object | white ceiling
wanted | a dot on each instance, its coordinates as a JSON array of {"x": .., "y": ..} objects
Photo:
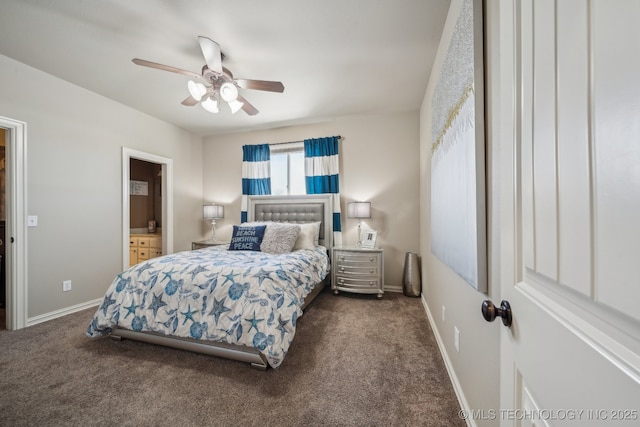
[{"x": 334, "y": 57}]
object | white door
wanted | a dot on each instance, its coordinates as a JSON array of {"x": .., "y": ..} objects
[{"x": 569, "y": 209}]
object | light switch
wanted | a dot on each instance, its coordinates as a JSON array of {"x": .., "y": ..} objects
[{"x": 32, "y": 221}]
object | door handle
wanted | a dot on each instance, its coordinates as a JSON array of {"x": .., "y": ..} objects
[{"x": 490, "y": 311}]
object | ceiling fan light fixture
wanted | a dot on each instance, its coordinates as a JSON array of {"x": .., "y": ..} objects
[
  {"x": 196, "y": 90},
  {"x": 235, "y": 106},
  {"x": 215, "y": 83},
  {"x": 229, "y": 92},
  {"x": 210, "y": 104}
]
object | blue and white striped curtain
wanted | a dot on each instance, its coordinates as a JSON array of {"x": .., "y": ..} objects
[
  {"x": 322, "y": 177},
  {"x": 256, "y": 174}
]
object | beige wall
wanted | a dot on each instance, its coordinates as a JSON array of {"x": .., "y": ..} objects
[
  {"x": 74, "y": 182},
  {"x": 379, "y": 163},
  {"x": 475, "y": 368}
]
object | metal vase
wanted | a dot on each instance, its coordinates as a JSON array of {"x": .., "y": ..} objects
[{"x": 412, "y": 285}]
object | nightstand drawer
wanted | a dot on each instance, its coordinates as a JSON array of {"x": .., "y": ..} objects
[
  {"x": 362, "y": 283},
  {"x": 357, "y": 258},
  {"x": 358, "y": 270}
]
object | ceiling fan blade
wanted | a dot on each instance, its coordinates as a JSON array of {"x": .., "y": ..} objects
[
  {"x": 247, "y": 107},
  {"x": 190, "y": 101},
  {"x": 260, "y": 85},
  {"x": 211, "y": 53},
  {"x": 163, "y": 67}
]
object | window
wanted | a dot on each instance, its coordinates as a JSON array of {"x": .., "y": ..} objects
[
  {"x": 287, "y": 170},
  {"x": 287, "y": 174}
]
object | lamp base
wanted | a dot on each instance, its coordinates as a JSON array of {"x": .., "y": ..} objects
[{"x": 213, "y": 230}]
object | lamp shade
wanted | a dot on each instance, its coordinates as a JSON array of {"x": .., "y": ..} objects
[
  {"x": 196, "y": 90},
  {"x": 229, "y": 92},
  {"x": 210, "y": 104},
  {"x": 212, "y": 211},
  {"x": 235, "y": 106},
  {"x": 359, "y": 210}
]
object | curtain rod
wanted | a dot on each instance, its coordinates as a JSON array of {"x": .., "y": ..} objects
[{"x": 294, "y": 142}]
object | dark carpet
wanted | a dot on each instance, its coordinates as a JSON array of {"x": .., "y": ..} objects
[{"x": 355, "y": 361}]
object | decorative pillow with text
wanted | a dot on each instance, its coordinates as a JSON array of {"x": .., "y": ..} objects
[{"x": 247, "y": 238}]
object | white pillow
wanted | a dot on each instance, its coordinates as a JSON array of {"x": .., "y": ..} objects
[{"x": 309, "y": 236}]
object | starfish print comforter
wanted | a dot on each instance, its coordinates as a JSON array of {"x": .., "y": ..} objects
[{"x": 236, "y": 297}]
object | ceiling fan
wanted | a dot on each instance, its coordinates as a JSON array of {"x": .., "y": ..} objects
[{"x": 216, "y": 83}]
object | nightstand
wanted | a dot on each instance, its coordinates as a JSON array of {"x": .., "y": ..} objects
[
  {"x": 206, "y": 243},
  {"x": 357, "y": 270}
]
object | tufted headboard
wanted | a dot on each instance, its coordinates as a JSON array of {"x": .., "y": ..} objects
[{"x": 297, "y": 209}]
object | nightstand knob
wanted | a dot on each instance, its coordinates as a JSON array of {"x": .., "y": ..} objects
[
  {"x": 371, "y": 270},
  {"x": 342, "y": 258},
  {"x": 371, "y": 283},
  {"x": 370, "y": 258},
  {"x": 341, "y": 269}
]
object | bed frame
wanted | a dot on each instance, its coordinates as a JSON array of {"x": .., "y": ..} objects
[{"x": 297, "y": 209}]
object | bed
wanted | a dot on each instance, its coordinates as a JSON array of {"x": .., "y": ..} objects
[{"x": 236, "y": 304}]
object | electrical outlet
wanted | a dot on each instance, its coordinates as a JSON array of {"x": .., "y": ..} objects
[
  {"x": 66, "y": 285},
  {"x": 456, "y": 338},
  {"x": 443, "y": 311}
]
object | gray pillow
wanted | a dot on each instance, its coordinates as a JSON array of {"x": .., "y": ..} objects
[{"x": 279, "y": 237}]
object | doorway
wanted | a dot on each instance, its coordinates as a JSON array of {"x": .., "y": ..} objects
[
  {"x": 14, "y": 133},
  {"x": 3, "y": 217},
  {"x": 145, "y": 211},
  {"x": 165, "y": 214}
]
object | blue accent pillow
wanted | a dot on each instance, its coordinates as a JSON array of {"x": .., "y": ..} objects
[{"x": 247, "y": 238}]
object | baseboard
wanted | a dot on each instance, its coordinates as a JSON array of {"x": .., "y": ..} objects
[
  {"x": 62, "y": 312},
  {"x": 447, "y": 363},
  {"x": 397, "y": 289}
]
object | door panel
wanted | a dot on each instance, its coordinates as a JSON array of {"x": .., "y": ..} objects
[
  {"x": 544, "y": 150},
  {"x": 568, "y": 364},
  {"x": 581, "y": 189},
  {"x": 574, "y": 345},
  {"x": 573, "y": 148},
  {"x": 616, "y": 114}
]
